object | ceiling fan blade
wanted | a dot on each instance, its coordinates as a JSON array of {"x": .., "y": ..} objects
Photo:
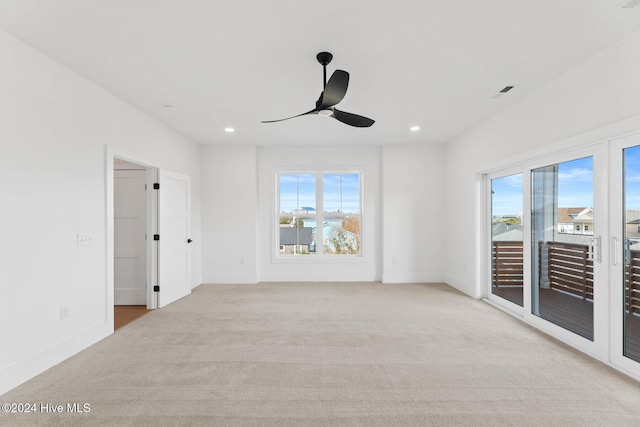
[
  {"x": 352, "y": 119},
  {"x": 292, "y": 117},
  {"x": 335, "y": 90}
]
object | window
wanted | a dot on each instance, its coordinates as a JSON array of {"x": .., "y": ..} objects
[{"x": 319, "y": 213}]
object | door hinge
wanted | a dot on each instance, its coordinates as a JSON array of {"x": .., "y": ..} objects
[
  {"x": 156, "y": 288},
  {"x": 156, "y": 185},
  {"x": 156, "y": 237}
]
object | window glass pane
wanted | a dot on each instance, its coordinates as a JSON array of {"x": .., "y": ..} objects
[
  {"x": 631, "y": 265},
  {"x": 342, "y": 236},
  {"x": 507, "y": 238},
  {"x": 297, "y": 217},
  {"x": 562, "y": 219},
  {"x": 341, "y": 193},
  {"x": 297, "y": 193}
]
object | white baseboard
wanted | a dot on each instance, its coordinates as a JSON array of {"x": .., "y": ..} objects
[
  {"x": 230, "y": 278},
  {"x": 22, "y": 371},
  {"x": 402, "y": 277}
]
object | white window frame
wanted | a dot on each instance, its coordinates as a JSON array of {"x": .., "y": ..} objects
[{"x": 320, "y": 215}]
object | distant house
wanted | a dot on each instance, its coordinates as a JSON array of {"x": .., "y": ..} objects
[
  {"x": 304, "y": 210},
  {"x": 505, "y": 232},
  {"x": 575, "y": 220},
  {"x": 296, "y": 240},
  {"x": 632, "y": 227}
]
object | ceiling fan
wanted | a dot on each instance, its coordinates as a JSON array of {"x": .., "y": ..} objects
[{"x": 334, "y": 91}]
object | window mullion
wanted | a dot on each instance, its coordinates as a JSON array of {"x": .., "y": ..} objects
[{"x": 319, "y": 216}]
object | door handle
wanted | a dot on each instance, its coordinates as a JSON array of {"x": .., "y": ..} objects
[
  {"x": 614, "y": 251},
  {"x": 594, "y": 249},
  {"x": 189, "y": 240}
]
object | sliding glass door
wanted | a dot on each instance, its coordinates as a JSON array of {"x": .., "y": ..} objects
[
  {"x": 546, "y": 221},
  {"x": 625, "y": 259},
  {"x": 563, "y": 245}
]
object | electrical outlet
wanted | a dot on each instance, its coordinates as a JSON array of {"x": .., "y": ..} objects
[
  {"x": 84, "y": 239},
  {"x": 64, "y": 312}
]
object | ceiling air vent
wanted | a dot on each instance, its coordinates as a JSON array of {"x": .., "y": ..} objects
[{"x": 505, "y": 90}]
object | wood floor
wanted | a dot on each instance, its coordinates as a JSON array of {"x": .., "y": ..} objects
[
  {"x": 575, "y": 315},
  {"x": 124, "y": 314}
]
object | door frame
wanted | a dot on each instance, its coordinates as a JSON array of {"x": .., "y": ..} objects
[
  {"x": 487, "y": 239},
  {"x": 599, "y": 346},
  {"x": 111, "y": 153}
]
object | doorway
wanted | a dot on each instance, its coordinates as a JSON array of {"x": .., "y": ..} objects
[
  {"x": 158, "y": 266},
  {"x": 132, "y": 255}
]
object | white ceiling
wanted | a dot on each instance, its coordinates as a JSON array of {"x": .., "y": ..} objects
[{"x": 436, "y": 64}]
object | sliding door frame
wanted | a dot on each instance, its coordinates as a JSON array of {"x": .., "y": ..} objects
[
  {"x": 600, "y": 344},
  {"x": 599, "y": 347},
  {"x": 486, "y": 253},
  {"x": 616, "y": 258}
]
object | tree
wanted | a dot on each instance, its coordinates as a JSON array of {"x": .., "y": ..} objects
[
  {"x": 346, "y": 239},
  {"x": 289, "y": 220}
]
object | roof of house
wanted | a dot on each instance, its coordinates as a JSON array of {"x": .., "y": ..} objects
[
  {"x": 569, "y": 214},
  {"x": 506, "y": 232},
  {"x": 632, "y": 216},
  {"x": 296, "y": 235}
]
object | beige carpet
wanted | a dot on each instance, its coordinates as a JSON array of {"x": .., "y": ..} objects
[{"x": 340, "y": 354}]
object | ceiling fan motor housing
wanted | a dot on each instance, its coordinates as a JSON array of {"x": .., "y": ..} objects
[{"x": 324, "y": 58}]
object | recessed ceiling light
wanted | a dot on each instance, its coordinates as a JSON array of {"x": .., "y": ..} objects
[
  {"x": 229, "y": 130},
  {"x": 170, "y": 107},
  {"x": 414, "y": 128}
]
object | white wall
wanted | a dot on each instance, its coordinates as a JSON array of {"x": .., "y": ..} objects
[
  {"x": 597, "y": 100},
  {"x": 53, "y": 129},
  {"x": 230, "y": 206},
  {"x": 413, "y": 213},
  {"x": 403, "y": 214}
]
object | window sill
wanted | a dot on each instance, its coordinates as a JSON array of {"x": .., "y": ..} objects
[{"x": 314, "y": 259}]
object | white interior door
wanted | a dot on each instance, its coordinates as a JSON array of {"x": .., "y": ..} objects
[
  {"x": 174, "y": 225},
  {"x": 130, "y": 226}
]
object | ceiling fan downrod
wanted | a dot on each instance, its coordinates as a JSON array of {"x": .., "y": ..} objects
[{"x": 324, "y": 58}]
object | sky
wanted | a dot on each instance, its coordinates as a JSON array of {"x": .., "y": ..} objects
[
  {"x": 632, "y": 177},
  {"x": 575, "y": 188},
  {"x": 341, "y": 192}
]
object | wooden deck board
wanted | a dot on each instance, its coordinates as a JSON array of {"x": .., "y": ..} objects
[{"x": 574, "y": 314}]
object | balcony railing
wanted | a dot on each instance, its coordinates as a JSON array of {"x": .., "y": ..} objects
[
  {"x": 569, "y": 301},
  {"x": 506, "y": 258},
  {"x": 632, "y": 283},
  {"x": 569, "y": 269}
]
